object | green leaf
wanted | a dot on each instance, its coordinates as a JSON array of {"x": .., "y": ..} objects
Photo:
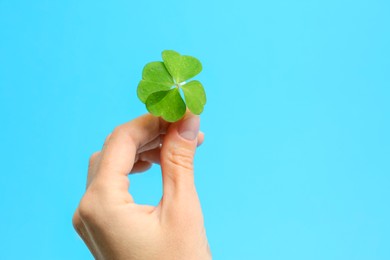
[
  {"x": 181, "y": 67},
  {"x": 159, "y": 88},
  {"x": 167, "y": 104},
  {"x": 145, "y": 88},
  {"x": 195, "y": 96},
  {"x": 155, "y": 77},
  {"x": 157, "y": 72}
]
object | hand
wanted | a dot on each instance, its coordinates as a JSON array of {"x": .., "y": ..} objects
[{"x": 108, "y": 220}]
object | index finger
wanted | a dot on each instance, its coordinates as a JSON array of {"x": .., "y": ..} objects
[{"x": 119, "y": 152}]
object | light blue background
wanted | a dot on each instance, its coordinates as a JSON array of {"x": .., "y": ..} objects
[{"x": 296, "y": 161}]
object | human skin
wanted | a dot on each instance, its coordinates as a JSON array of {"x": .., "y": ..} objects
[{"x": 113, "y": 226}]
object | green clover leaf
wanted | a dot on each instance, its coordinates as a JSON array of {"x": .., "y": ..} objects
[
  {"x": 181, "y": 67},
  {"x": 161, "y": 82}
]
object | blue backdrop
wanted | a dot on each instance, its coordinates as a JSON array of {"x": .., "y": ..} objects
[{"x": 296, "y": 160}]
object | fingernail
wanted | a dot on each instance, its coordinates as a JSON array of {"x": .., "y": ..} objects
[{"x": 189, "y": 128}]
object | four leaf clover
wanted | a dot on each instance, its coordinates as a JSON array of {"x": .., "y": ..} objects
[{"x": 162, "y": 83}]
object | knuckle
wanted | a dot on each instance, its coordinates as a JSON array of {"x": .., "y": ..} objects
[
  {"x": 122, "y": 133},
  {"x": 86, "y": 209},
  {"x": 181, "y": 157},
  {"x": 118, "y": 130},
  {"x": 107, "y": 138},
  {"x": 93, "y": 157}
]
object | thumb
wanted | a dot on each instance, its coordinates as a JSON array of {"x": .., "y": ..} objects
[{"x": 177, "y": 156}]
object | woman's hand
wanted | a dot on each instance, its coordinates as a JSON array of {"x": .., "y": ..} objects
[{"x": 108, "y": 220}]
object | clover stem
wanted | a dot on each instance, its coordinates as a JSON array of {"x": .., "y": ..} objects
[{"x": 178, "y": 85}]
